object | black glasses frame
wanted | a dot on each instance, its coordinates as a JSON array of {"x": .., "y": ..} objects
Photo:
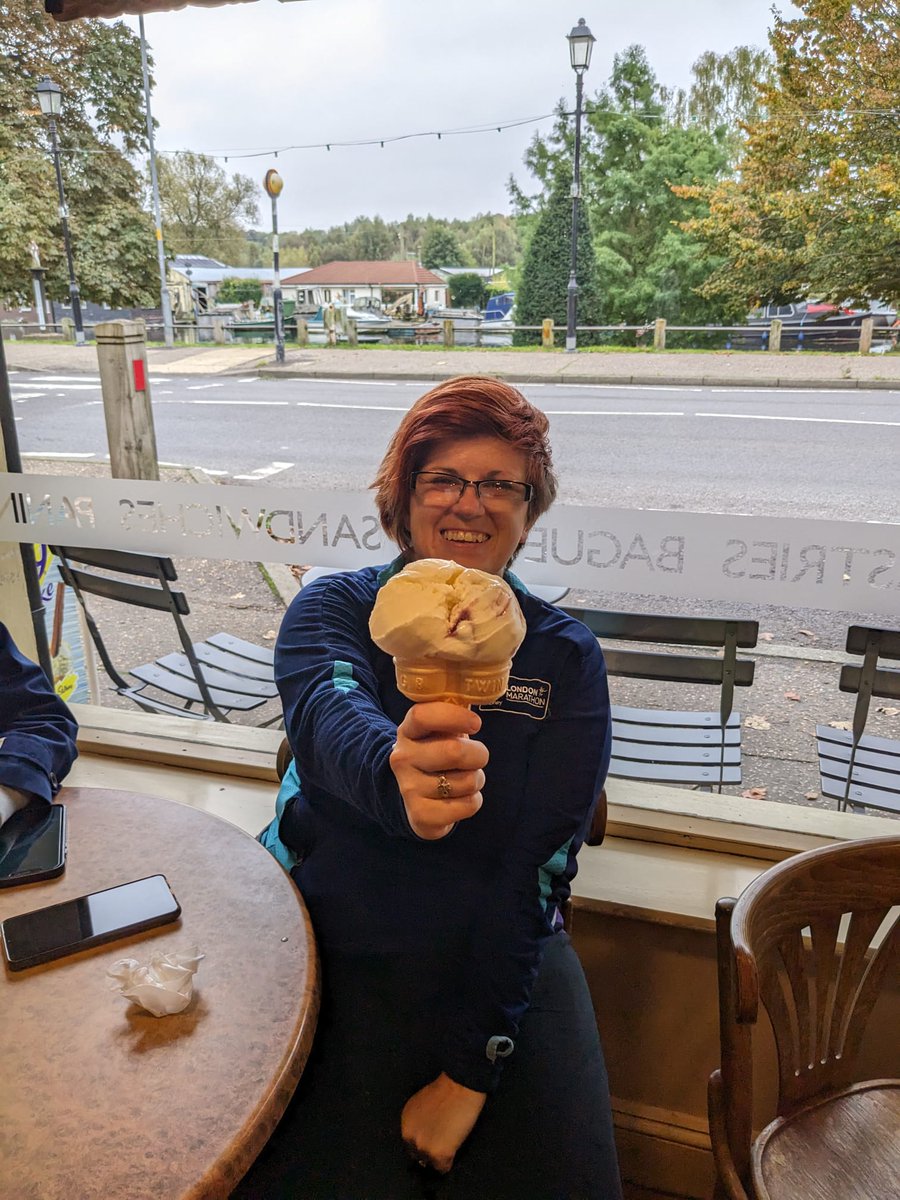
[{"x": 475, "y": 483}]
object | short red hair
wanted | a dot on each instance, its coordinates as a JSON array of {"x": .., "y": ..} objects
[{"x": 468, "y": 406}]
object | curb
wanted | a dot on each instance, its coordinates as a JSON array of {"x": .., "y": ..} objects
[{"x": 428, "y": 376}]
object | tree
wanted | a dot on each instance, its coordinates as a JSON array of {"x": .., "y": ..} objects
[
  {"x": 203, "y": 209},
  {"x": 725, "y": 95},
  {"x": 98, "y": 67},
  {"x": 545, "y": 271},
  {"x": 816, "y": 209},
  {"x": 646, "y": 266},
  {"x": 239, "y": 291},
  {"x": 467, "y": 291},
  {"x": 441, "y": 249}
]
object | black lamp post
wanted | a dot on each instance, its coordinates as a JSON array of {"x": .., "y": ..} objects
[
  {"x": 581, "y": 42},
  {"x": 274, "y": 185},
  {"x": 50, "y": 96}
]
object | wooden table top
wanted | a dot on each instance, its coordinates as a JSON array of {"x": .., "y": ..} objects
[{"x": 99, "y": 1098}]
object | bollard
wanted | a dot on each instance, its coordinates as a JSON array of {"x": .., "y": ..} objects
[
  {"x": 865, "y": 335},
  {"x": 449, "y": 336},
  {"x": 122, "y": 355},
  {"x": 659, "y": 333},
  {"x": 218, "y": 331},
  {"x": 547, "y": 332},
  {"x": 352, "y": 335},
  {"x": 302, "y": 332},
  {"x": 68, "y": 329},
  {"x": 775, "y": 334}
]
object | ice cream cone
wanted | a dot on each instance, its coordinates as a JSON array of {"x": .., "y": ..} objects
[{"x": 454, "y": 682}]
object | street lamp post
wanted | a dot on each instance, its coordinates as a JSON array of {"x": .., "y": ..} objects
[
  {"x": 273, "y": 185},
  {"x": 581, "y": 42},
  {"x": 50, "y": 96}
]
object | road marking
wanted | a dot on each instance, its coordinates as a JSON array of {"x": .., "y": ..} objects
[
  {"x": 78, "y": 387},
  {"x": 167, "y": 393},
  {"x": 250, "y": 403},
  {"x": 358, "y": 382},
  {"x": 250, "y": 379},
  {"x": 70, "y": 379},
  {"x": 610, "y": 412},
  {"x": 352, "y": 407},
  {"x": 211, "y": 471},
  {"x": 202, "y": 387},
  {"x": 54, "y": 453},
  {"x": 265, "y": 472},
  {"x": 27, "y": 396},
  {"x": 809, "y": 420}
]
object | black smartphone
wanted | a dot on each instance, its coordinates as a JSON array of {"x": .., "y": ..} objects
[
  {"x": 33, "y": 844},
  {"x": 48, "y": 933}
]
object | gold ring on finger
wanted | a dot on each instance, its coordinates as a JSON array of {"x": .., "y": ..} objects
[{"x": 444, "y": 789}]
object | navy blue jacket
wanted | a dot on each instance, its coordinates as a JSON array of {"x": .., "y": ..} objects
[
  {"x": 37, "y": 731},
  {"x": 488, "y": 892}
]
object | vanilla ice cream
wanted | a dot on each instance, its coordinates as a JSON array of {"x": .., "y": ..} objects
[{"x": 452, "y": 631}]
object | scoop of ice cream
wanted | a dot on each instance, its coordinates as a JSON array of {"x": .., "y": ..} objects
[{"x": 434, "y": 608}]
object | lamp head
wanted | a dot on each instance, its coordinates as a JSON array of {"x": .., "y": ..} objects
[
  {"x": 581, "y": 43},
  {"x": 49, "y": 95}
]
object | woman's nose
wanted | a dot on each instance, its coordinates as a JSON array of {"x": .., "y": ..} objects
[{"x": 469, "y": 501}]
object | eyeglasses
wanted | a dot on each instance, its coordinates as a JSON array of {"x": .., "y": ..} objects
[{"x": 437, "y": 488}]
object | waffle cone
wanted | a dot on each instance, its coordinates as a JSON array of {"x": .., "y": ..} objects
[{"x": 457, "y": 683}]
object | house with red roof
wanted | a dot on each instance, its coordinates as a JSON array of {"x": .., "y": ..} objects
[{"x": 367, "y": 285}]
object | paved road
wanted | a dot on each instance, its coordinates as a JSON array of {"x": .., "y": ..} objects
[
  {"x": 831, "y": 454},
  {"x": 815, "y": 454}
]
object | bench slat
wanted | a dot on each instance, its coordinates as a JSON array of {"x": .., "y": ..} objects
[{"x": 187, "y": 689}]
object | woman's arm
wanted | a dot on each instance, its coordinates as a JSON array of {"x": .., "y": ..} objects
[{"x": 37, "y": 731}]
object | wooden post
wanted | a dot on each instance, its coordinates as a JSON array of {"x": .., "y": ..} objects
[
  {"x": 449, "y": 337},
  {"x": 302, "y": 332},
  {"x": 218, "y": 331},
  {"x": 68, "y": 329},
  {"x": 122, "y": 355},
  {"x": 659, "y": 333},
  {"x": 775, "y": 334},
  {"x": 352, "y": 336},
  {"x": 547, "y": 331},
  {"x": 865, "y": 335}
]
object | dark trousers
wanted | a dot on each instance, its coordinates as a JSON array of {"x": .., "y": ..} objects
[{"x": 545, "y": 1134}]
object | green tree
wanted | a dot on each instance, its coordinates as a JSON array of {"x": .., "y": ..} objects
[
  {"x": 238, "y": 291},
  {"x": 467, "y": 291},
  {"x": 98, "y": 67},
  {"x": 816, "y": 208},
  {"x": 545, "y": 272},
  {"x": 203, "y": 209},
  {"x": 441, "y": 249}
]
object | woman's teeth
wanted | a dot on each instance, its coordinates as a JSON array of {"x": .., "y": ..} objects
[{"x": 463, "y": 535}]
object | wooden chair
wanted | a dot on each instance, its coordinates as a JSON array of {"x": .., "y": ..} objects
[
  {"x": 208, "y": 679},
  {"x": 676, "y": 747},
  {"x": 814, "y": 938},
  {"x": 856, "y": 769}
]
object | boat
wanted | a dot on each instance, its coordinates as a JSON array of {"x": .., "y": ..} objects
[{"x": 812, "y": 325}]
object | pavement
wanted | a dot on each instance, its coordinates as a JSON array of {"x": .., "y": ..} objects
[{"x": 688, "y": 368}]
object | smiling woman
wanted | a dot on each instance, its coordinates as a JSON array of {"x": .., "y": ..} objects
[{"x": 434, "y": 846}]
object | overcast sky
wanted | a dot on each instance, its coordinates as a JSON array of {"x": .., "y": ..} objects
[{"x": 266, "y": 75}]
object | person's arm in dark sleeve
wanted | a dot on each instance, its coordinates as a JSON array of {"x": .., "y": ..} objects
[
  {"x": 566, "y": 772},
  {"x": 339, "y": 734},
  {"x": 37, "y": 731}
]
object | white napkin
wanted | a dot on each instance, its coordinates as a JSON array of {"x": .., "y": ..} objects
[{"x": 163, "y": 986}]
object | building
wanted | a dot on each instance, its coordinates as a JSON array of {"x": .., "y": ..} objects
[
  {"x": 383, "y": 285},
  {"x": 204, "y": 276}
]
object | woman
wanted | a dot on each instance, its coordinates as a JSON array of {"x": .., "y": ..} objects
[{"x": 456, "y": 1019}]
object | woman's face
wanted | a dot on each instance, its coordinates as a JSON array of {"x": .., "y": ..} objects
[{"x": 465, "y": 529}]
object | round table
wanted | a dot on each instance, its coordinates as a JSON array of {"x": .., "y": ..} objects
[{"x": 101, "y": 1099}]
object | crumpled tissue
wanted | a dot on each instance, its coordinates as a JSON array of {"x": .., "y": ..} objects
[{"x": 163, "y": 986}]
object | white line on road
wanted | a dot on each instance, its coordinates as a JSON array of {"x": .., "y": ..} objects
[
  {"x": 69, "y": 378},
  {"x": 264, "y": 472},
  {"x": 54, "y": 453},
  {"x": 202, "y": 387},
  {"x": 27, "y": 396},
  {"x": 77, "y": 387},
  {"x": 249, "y": 403},
  {"x": 809, "y": 420},
  {"x": 359, "y": 382},
  {"x": 611, "y": 412},
  {"x": 352, "y": 407},
  {"x": 249, "y": 379}
]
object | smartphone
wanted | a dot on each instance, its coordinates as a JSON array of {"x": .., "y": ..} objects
[
  {"x": 33, "y": 844},
  {"x": 48, "y": 933}
]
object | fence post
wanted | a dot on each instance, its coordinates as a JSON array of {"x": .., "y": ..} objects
[
  {"x": 659, "y": 333},
  {"x": 218, "y": 331},
  {"x": 68, "y": 329},
  {"x": 865, "y": 335},
  {"x": 352, "y": 334},
  {"x": 122, "y": 355},
  {"x": 302, "y": 332},
  {"x": 775, "y": 334},
  {"x": 449, "y": 339},
  {"x": 547, "y": 332}
]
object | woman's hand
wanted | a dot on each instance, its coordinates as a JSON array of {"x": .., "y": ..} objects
[
  {"x": 439, "y": 770},
  {"x": 437, "y": 1120}
]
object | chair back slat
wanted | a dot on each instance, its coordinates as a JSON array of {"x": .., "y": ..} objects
[
  {"x": 860, "y": 636},
  {"x": 667, "y": 630},
  {"x": 127, "y": 593},
  {"x": 126, "y": 562},
  {"x": 673, "y": 668},
  {"x": 885, "y": 682}
]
